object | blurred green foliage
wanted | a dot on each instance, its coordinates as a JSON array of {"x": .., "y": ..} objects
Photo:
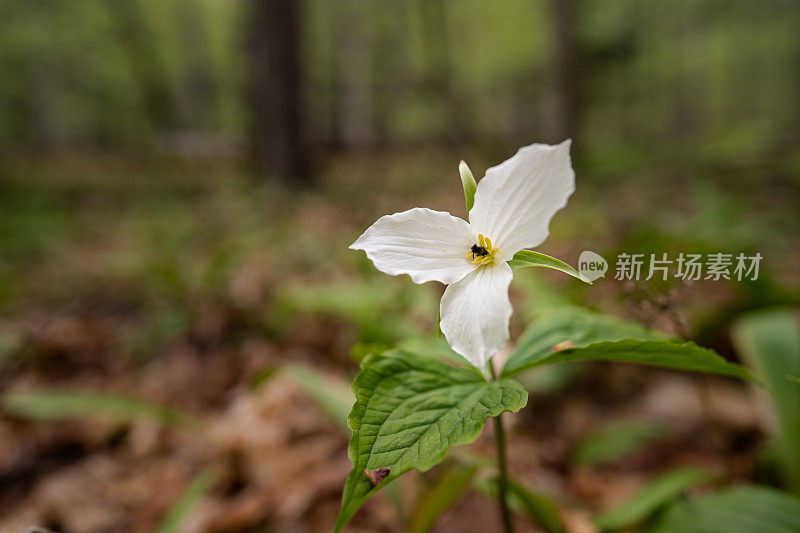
[
  {"x": 121, "y": 193},
  {"x": 656, "y": 494},
  {"x": 51, "y": 405},
  {"x": 733, "y": 510},
  {"x": 769, "y": 342},
  {"x": 698, "y": 81},
  {"x": 614, "y": 440}
]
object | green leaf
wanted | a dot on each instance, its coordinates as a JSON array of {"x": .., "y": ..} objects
[
  {"x": 333, "y": 397},
  {"x": 468, "y": 181},
  {"x": 50, "y": 405},
  {"x": 452, "y": 484},
  {"x": 615, "y": 440},
  {"x": 577, "y": 326},
  {"x": 652, "y": 497},
  {"x": 750, "y": 509},
  {"x": 200, "y": 486},
  {"x": 409, "y": 410},
  {"x": 769, "y": 342},
  {"x": 262, "y": 376},
  {"x": 665, "y": 354},
  {"x": 541, "y": 509},
  {"x": 529, "y": 258},
  {"x": 438, "y": 349}
]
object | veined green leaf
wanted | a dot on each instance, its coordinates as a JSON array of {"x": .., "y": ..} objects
[
  {"x": 468, "y": 181},
  {"x": 199, "y": 487},
  {"x": 737, "y": 510},
  {"x": 453, "y": 483},
  {"x": 769, "y": 342},
  {"x": 529, "y": 258},
  {"x": 570, "y": 326},
  {"x": 409, "y": 410},
  {"x": 652, "y": 497},
  {"x": 665, "y": 354},
  {"x": 615, "y": 440},
  {"x": 49, "y": 405}
]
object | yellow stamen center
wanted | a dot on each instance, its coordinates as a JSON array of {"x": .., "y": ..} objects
[{"x": 485, "y": 256}]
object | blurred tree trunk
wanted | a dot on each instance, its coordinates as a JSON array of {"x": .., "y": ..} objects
[
  {"x": 334, "y": 130},
  {"x": 147, "y": 65},
  {"x": 562, "y": 97},
  {"x": 354, "y": 91},
  {"x": 434, "y": 22},
  {"x": 388, "y": 64},
  {"x": 41, "y": 130},
  {"x": 277, "y": 133},
  {"x": 200, "y": 87},
  {"x": 39, "y": 121}
]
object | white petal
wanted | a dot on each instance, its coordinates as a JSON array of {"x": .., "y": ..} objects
[
  {"x": 425, "y": 244},
  {"x": 476, "y": 311},
  {"x": 517, "y": 198}
]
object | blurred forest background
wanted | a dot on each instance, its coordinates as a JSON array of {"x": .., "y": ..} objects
[{"x": 179, "y": 181}]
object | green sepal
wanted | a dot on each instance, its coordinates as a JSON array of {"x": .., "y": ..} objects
[
  {"x": 529, "y": 258},
  {"x": 470, "y": 186}
]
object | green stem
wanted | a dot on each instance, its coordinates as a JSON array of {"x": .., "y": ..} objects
[{"x": 502, "y": 472}]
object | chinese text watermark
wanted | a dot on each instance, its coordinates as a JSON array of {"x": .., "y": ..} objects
[{"x": 687, "y": 267}]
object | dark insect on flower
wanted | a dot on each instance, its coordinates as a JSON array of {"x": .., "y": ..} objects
[
  {"x": 376, "y": 476},
  {"x": 480, "y": 251}
]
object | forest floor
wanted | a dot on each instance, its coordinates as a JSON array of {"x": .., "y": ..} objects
[{"x": 158, "y": 322}]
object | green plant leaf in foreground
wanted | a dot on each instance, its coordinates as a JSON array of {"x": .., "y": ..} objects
[
  {"x": 453, "y": 483},
  {"x": 572, "y": 334},
  {"x": 49, "y": 405},
  {"x": 332, "y": 396},
  {"x": 541, "y": 509},
  {"x": 572, "y": 326},
  {"x": 666, "y": 354},
  {"x": 615, "y": 440},
  {"x": 182, "y": 510},
  {"x": 409, "y": 410},
  {"x": 652, "y": 497},
  {"x": 769, "y": 342},
  {"x": 748, "y": 509},
  {"x": 529, "y": 258},
  {"x": 438, "y": 349}
]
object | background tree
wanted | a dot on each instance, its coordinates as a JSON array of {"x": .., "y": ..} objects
[
  {"x": 151, "y": 75},
  {"x": 277, "y": 133},
  {"x": 562, "y": 99}
]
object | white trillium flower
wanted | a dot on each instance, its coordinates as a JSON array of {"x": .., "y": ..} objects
[{"x": 514, "y": 204}]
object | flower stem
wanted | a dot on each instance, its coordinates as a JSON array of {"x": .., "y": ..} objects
[
  {"x": 502, "y": 468},
  {"x": 502, "y": 478}
]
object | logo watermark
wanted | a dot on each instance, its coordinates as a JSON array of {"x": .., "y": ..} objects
[{"x": 592, "y": 266}]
